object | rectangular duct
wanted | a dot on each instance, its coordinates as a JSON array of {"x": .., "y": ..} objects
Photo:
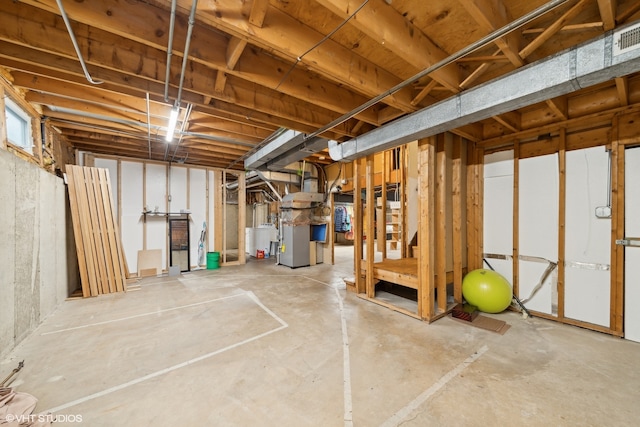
[
  {"x": 582, "y": 66},
  {"x": 281, "y": 144}
]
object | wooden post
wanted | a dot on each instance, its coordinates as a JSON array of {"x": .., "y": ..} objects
[
  {"x": 218, "y": 237},
  {"x": 357, "y": 226},
  {"x": 562, "y": 214},
  {"x": 223, "y": 221},
  {"x": 382, "y": 220},
  {"x": 426, "y": 231},
  {"x": 474, "y": 213},
  {"x": 242, "y": 217},
  {"x": 456, "y": 194},
  {"x": 370, "y": 209},
  {"x": 616, "y": 313},
  {"x": 404, "y": 237},
  {"x": 331, "y": 227},
  {"x": 441, "y": 223},
  {"x": 516, "y": 217}
]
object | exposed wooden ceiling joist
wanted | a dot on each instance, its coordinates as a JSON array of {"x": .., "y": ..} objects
[{"x": 260, "y": 65}]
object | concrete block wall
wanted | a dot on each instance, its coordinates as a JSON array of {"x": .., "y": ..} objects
[{"x": 38, "y": 267}]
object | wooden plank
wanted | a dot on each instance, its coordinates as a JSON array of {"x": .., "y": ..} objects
[
  {"x": 124, "y": 267},
  {"x": 111, "y": 226},
  {"x": 616, "y": 319},
  {"x": 83, "y": 212},
  {"x": 357, "y": 225},
  {"x": 472, "y": 214},
  {"x": 77, "y": 231},
  {"x": 562, "y": 202},
  {"x": 390, "y": 306},
  {"x": 382, "y": 219},
  {"x": 480, "y": 206},
  {"x": 426, "y": 231},
  {"x": 217, "y": 211},
  {"x": 456, "y": 193},
  {"x": 370, "y": 209},
  {"x": 149, "y": 261},
  {"x": 441, "y": 221},
  {"x": 403, "y": 271},
  {"x": 103, "y": 282},
  {"x": 242, "y": 217},
  {"x": 404, "y": 237},
  {"x": 102, "y": 231}
]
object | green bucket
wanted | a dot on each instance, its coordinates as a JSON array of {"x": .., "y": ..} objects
[{"x": 213, "y": 260}]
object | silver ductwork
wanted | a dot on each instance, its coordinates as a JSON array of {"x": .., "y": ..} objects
[
  {"x": 288, "y": 147},
  {"x": 579, "y": 67}
]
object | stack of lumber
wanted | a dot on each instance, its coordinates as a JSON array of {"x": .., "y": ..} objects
[{"x": 101, "y": 259}]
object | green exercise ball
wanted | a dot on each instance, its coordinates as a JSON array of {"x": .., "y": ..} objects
[{"x": 487, "y": 290}]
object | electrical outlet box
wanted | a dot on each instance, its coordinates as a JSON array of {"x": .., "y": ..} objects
[{"x": 603, "y": 212}]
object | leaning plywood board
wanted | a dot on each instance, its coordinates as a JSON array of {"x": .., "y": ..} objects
[
  {"x": 149, "y": 262},
  {"x": 100, "y": 256}
]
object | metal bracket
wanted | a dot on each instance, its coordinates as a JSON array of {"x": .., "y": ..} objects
[{"x": 628, "y": 242}]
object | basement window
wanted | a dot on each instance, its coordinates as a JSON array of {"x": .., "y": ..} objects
[{"x": 18, "y": 126}]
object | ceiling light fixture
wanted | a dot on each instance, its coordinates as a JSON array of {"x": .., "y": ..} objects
[{"x": 173, "y": 120}]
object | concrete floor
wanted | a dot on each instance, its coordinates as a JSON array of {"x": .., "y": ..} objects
[{"x": 266, "y": 345}]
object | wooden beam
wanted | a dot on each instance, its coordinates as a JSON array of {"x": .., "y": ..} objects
[
  {"x": 515, "y": 256},
  {"x": 218, "y": 221},
  {"x": 511, "y": 120},
  {"x": 290, "y": 39},
  {"x": 384, "y": 24},
  {"x": 441, "y": 223},
  {"x": 404, "y": 235},
  {"x": 457, "y": 212},
  {"x": 493, "y": 15},
  {"x": 616, "y": 313},
  {"x": 477, "y": 73},
  {"x": 559, "y": 106},
  {"x": 628, "y": 13},
  {"x": 622, "y": 86},
  {"x": 382, "y": 218},
  {"x": 426, "y": 227},
  {"x": 424, "y": 92},
  {"x": 370, "y": 231},
  {"x": 140, "y": 60},
  {"x": 608, "y": 13},
  {"x": 357, "y": 225},
  {"x": 554, "y": 28},
  {"x": 234, "y": 50},
  {"x": 258, "y": 12},
  {"x": 562, "y": 214},
  {"x": 242, "y": 216}
]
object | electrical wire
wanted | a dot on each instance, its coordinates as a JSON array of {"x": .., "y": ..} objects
[{"x": 324, "y": 39}]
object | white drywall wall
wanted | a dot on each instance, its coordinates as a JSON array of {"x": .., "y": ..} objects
[
  {"x": 156, "y": 197},
  {"x": 131, "y": 196},
  {"x": 538, "y": 228},
  {"x": 498, "y": 211},
  {"x": 587, "y": 238},
  {"x": 632, "y": 254},
  {"x": 198, "y": 208}
]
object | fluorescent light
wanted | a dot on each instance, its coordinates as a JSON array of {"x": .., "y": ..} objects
[{"x": 173, "y": 120}]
